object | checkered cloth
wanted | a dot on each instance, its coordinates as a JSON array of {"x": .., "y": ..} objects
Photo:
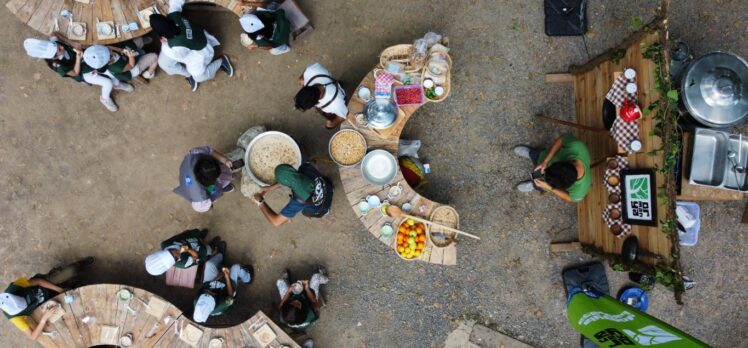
[
  {"x": 624, "y": 133},
  {"x": 623, "y": 163},
  {"x": 383, "y": 84},
  {"x": 625, "y": 228},
  {"x": 617, "y": 93}
]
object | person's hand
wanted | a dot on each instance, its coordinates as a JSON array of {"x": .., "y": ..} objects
[
  {"x": 164, "y": 40},
  {"x": 183, "y": 249},
  {"x": 542, "y": 184},
  {"x": 128, "y": 53},
  {"x": 305, "y": 283},
  {"x": 541, "y": 167},
  {"x": 77, "y": 46},
  {"x": 78, "y": 52},
  {"x": 258, "y": 197},
  {"x": 225, "y": 271}
]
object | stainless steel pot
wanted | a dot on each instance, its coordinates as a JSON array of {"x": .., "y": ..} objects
[{"x": 380, "y": 113}]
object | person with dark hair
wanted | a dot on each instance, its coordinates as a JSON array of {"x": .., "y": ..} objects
[
  {"x": 187, "y": 249},
  {"x": 219, "y": 287},
  {"x": 299, "y": 306},
  {"x": 564, "y": 169},
  {"x": 311, "y": 194},
  {"x": 268, "y": 29},
  {"x": 187, "y": 49},
  {"x": 321, "y": 91},
  {"x": 204, "y": 176}
]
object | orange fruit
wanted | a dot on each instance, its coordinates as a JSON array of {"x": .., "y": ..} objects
[
  {"x": 421, "y": 245},
  {"x": 400, "y": 249},
  {"x": 399, "y": 238}
]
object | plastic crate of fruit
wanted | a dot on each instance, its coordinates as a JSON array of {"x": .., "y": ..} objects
[{"x": 409, "y": 95}]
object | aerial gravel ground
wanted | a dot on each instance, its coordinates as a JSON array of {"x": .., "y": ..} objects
[{"x": 80, "y": 181}]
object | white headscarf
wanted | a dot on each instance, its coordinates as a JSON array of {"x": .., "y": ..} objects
[
  {"x": 12, "y": 304},
  {"x": 203, "y": 307},
  {"x": 96, "y": 56},
  {"x": 251, "y": 23},
  {"x": 159, "y": 262},
  {"x": 40, "y": 48}
]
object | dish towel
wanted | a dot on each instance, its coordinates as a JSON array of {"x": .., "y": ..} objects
[{"x": 624, "y": 133}]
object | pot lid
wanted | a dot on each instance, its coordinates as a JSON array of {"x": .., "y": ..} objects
[
  {"x": 380, "y": 113},
  {"x": 715, "y": 89}
]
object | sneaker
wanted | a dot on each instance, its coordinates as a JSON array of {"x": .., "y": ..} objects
[
  {"x": 124, "y": 87},
  {"x": 214, "y": 242},
  {"x": 148, "y": 74},
  {"x": 522, "y": 151},
  {"x": 251, "y": 270},
  {"x": 226, "y": 65},
  {"x": 192, "y": 82},
  {"x": 221, "y": 246},
  {"x": 308, "y": 343},
  {"x": 109, "y": 104},
  {"x": 228, "y": 188},
  {"x": 526, "y": 186},
  {"x": 286, "y": 275},
  {"x": 280, "y": 50}
]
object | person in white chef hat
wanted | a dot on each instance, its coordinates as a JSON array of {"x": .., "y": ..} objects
[
  {"x": 66, "y": 60},
  {"x": 97, "y": 58},
  {"x": 22, "y": 297},
  {"x": 269, "y": 30}
]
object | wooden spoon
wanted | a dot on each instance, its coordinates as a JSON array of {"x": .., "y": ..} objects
[{"x": 395, "y": 211}]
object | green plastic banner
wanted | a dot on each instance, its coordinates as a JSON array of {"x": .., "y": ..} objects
[{"x": 610, "y": 323}]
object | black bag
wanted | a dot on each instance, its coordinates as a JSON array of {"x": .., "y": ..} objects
[
  {"x": 565, "y": 17},
  {"x": 322, "y": 196}
]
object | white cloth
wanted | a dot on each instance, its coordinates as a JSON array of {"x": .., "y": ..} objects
[
  {"x": 251, "y": 23},
  {"x": 337, "y": 107},
  {"x": 202, "y": 206},
  {"x": 12, "y": 304},
  {"x": 212, "y": 268},
  {"x": 96, "y": 56},
  {"x": 315, "y": 282},
  {"x": 159, "y": 262},
  {"x": 106, "y": 82},
  {"x": 40, "y": 48},
  {"x": 203, "y": 307},
  {"x": 195, "y": 61},
  {"x": 238, "y": 274}
]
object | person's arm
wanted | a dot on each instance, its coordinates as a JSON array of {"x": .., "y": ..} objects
[
  {"x": 221, "y": 158},
  {"x": 33, "y": 333},
  {"x": 186, "y": 249},
  {"x": 77, "y": 67},
  {"x": 45, "y": 284},
  {"x": 268, "y": 189},
  {"x": 552, "y": 152},
  {"x": 301, "y": 80},
  {"x": 227, "y": 275},
  {"x": 130, "y": 54},
  {"x": 274, "y": 218},
  {"x": 312, "y": 297},
  {"x": 558, "y": 192},
  {"x": 253, "y": 3},
  {"x": 285, "y": 298}
]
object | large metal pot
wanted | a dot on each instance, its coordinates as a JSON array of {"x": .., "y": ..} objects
[
  {"x": 380, "y": 113},
  {"x": 715, "y": 90},
  {"x": 285, "y": 137}
]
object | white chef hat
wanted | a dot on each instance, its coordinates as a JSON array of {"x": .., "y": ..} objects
[
  {"x": 159, "y": 262},
  {"x": 251, "y": 23},
  {"x": 203, "y": 307},
  {"x": 202, "y": 206},
  {"x": 12, "y": 304},
  {"x": 40, "y": 48},
  {"x": 96, "y": 56}
]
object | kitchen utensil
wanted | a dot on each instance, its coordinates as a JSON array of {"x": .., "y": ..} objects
[
  {"x": 380, "y": 113},
  {"x": 264, "y": 335},
  {"x": 364, "y": 93},
  {"x": 373, "y": 201},
  {"x": 444, "y": 215},
  {"x": 630, "y": 249},
  {"x": 395, "y": 211},
  {"x": 254, "y": 141},
  {"x": 631, "y": 88},
  {"x": 630, "y": 112},
  {"x": 363, "y": 207},
  {"x": 126, "y": 340},
  {"x": 635, "y": 145},
  {"x": 216, "y": 342},
  {"x": 105, "y": 28},
  {"x": 361, "y": 120},
  {"x": 614, "y": 198},
  {"x": 386, "y": 230},
  {"x": 395, "y": 191},
  {"x": 124, "y": 295},
  {"x": 379, "y": 167},
  {"x": 714, "y": 89},
  {"x": 428, "y": 83},
  {"x": 407, "y": 207},
  {"x": 629, "y": 73},
  {"x": 358, "y": 137}
]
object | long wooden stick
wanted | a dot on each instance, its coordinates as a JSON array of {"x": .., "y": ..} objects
[
  {"x": 441, "y": 226},
  {"x": 571, "y": 124}
]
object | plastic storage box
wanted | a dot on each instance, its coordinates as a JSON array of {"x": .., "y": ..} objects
[{"x": 691, "y": 236}]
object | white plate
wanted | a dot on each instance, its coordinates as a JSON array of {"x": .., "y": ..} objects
[
  {"x": 106, "y": 29},
  {"x": 79, "y": 29},
  {"x": 379, "y": 167}
]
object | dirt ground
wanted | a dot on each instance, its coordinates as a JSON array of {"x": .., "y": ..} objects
[{"x": 82, "y": 181}]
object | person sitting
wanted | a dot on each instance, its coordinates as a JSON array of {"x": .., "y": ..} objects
[
  {"x": 98, "y": 58},
  {"x": 219, "y": 288},
  {"x": 66, "y": 60},
  {"x": 204, "y": 176},
  {"x": 269, "y": 30},
  {"x": 23, "y": 296},
  {"x": 187, "y": 49},
  {"x": 128, "y": 61},
  {"x": 299, "y": 306},
  {"x": 565, "y": 169},
  {"x": 187, "y": 249},
  {"x": 321, "y": 91},
  {"x": 311, "y": 194}
]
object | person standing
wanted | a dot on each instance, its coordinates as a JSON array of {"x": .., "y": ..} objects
[
  {"x": 219, "y": 288},
  {"x": 187, "y": 49},
  {"x": 185, "y": 250},
  {"x": 321, "y": 91},
  {"x": 270, "y": 30},
  {"x": 299, "y": 306},
  {"x": 204, "y": 176},
  {"x": 563, "y": 170},
  {"x": 311, "y": 194}
]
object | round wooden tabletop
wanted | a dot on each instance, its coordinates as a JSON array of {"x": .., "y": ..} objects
[
  {"x": 99, "y": 21},
  {"x": 357, "y": 189}
]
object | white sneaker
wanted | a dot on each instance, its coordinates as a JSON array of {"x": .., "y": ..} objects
[
  {"x": 522, "y": 151},
  {"x": 148, "y": 74},
  {"x": 280, "y": 50},
  {"x": 525, "y": 186},
  {"x": 109, "y": 104},
  {"x": 124, "y": 87}
]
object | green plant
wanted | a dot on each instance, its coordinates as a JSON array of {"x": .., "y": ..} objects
[{"x": 617, "y": 54}]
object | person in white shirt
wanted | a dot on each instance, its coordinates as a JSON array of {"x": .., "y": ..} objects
[
  {"x": 321, "y": 91},
  {"x": 187, "y": 49}
]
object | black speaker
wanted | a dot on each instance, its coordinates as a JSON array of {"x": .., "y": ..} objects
[{"x": 565, "y": 17}]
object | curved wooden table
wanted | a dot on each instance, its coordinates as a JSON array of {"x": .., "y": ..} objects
[
  {"x": 356, "y": 189},
  {"x": 41, "y": 14},
  {"x": 96, "y": 309}
]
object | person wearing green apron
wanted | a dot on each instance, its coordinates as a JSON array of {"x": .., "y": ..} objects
[
  {"x": 219, "y": 288},
  {"x": 187, "y": 249},
  {"x": 187, "y": 49},
  {"x": 22, "y": 297},
  {"x": 270, "y": 30},
  {"x": 299, "y": 306},
  {"x": 128, "y": 61}
]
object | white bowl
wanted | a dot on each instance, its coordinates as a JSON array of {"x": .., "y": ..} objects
[{"x": 379, "y": 167}]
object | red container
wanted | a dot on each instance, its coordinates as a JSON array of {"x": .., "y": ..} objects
[{"x": 409, "y": 95}]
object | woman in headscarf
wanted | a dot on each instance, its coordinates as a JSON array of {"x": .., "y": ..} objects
[
  {"x": 311, "y": 194},
  {"x": 269, "y": 30}
]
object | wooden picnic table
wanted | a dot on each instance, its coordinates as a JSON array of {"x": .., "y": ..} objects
[
  {"x": 42, "y": 14},
  {"x": 356, "y": 188},
  {"x": 96, "y": 311}
]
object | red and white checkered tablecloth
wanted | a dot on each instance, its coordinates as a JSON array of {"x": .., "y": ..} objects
[
  {"x": 624, "y": 133},
  {"x": 617, "y": 93}
]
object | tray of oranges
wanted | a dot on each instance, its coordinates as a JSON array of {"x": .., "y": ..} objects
[{"x": 412, "y": 238}]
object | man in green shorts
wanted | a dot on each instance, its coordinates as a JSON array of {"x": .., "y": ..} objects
[{"x": 563, "y": 170}]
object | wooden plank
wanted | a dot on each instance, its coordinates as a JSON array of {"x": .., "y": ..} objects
[
  {"x": 16, "y": 5},
  {"x": 565, "y": 247},
  {"x": 28, "y": 9},
  {"x": 558, "y": 78}
]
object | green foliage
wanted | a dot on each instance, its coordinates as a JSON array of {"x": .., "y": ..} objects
[
  {"x": 636, "y": 23},
  {"x": 617, "y": 54}
]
